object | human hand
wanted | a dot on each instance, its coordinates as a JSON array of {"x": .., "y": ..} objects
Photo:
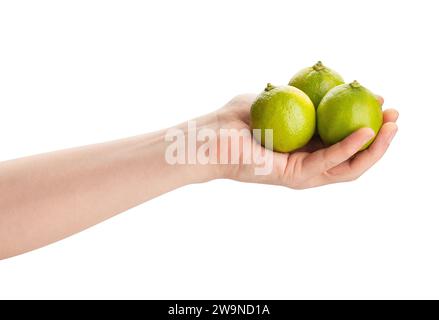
[
  {"x": 130, "y": 171},
  {"x": 313, "y": 165}
]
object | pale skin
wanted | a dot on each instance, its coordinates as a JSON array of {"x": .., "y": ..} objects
[{"x": 48, "y": 197}]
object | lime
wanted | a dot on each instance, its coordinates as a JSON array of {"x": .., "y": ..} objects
[
  {"x": 345, "y": 109},
  {"x": 289, "y": 112},
  {"x": 316, "y": 81}
]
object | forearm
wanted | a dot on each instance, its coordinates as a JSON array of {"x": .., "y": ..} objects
[{"x": 47, "y": 197}]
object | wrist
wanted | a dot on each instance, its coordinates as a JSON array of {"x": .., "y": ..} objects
[{"x": 192, "y": 148}]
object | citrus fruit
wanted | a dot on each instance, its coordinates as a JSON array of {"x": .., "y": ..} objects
[
  {"x": 345, "y": 109},
  {"x": 316, "y": 81},
  {"x": 290, "y": 114}
]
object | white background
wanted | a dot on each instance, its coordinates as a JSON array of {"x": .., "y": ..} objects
[{"x": 80, "y": 72}]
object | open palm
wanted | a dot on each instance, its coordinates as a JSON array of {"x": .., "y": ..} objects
[{"x": 313, "y": 165}]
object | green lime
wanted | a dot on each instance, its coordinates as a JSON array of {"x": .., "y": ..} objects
[
  {"x": 316, "y": 81},
  {"x": 345, "y": 109},
  {"x": 290, "y": 114}
]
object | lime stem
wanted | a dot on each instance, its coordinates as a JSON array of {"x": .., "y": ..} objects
[
  {"x": 269, "y": 87},
  {"x": 318, "y": 66},
  {"x": 355, "y": 84}
]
